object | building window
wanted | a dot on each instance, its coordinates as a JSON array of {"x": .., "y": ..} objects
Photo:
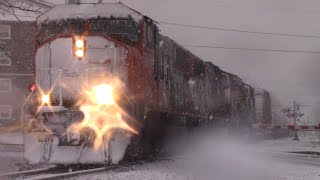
[
  {"x": 5, "y": 85},
  {"x": 5, "y": 32},
  {"x": 5, "y": 59},
  {"x": 73, "y": 1},
  {"x": 5, "y": 112}
]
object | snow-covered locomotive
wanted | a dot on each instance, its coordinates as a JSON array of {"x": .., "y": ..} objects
[{"x": 108, "y": 84}]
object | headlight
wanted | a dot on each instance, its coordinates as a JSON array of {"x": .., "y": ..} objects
[
  {"x": 79, "y": 47},
  {"x": 104, "y": 94},
  {"x": 32, "y": 87},
  {"x": 80, "y": 53},
  {"x": 45, "y": 99},
  {"x": 79, "y": 43}
]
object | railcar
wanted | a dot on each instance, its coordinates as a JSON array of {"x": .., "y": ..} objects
[
  {"x": 239, "y": 104},
  {"x": 109, "y": 85},
  {"x": 263, "y": 106}
]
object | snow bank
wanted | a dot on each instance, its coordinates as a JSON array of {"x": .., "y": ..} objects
[
  {"x": 87, "y": 11},
  {"x": 309, "y": 141}
]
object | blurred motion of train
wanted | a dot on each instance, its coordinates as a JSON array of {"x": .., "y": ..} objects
[{"x": 108, "y": 83}]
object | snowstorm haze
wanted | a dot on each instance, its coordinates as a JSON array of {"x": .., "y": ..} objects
[
  {"x": 138, "y": 129},
  {"x": 288, "y": 75}
]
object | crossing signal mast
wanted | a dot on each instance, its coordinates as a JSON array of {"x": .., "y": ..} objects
[{"x": 295, "y": 114}]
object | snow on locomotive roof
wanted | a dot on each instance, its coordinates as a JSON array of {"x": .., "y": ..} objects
[
  {"x": 260, "y": 91},
  {"x": 87, "y": 11}
]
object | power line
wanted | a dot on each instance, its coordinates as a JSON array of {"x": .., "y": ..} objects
[
  {"x": 255, "y": 49},
  {"x": 237, "y": 30}
]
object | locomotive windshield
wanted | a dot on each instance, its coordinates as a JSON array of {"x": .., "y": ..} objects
[{"x": 123, "y": 29}]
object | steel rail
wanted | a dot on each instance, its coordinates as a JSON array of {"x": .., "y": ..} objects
[
  {"x": 75, "y": 173},
  {"x": 52, "y": 174},
  {"x": 26, "y": 173},
  {"x": 87, "y": 171},
  {"x": 48, "y": 173}
]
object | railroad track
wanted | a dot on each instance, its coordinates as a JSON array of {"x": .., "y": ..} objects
[
  {"x": 54, "y": 173},
  {"x": 11, "y": 147},
  {"x": 25, "y": 173}
]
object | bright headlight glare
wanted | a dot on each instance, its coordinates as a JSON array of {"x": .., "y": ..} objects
[
  {"x": 104, "y": 94},
  {"x": 79, "y": 53},
  {"x": 79, "y": 43},
  {"x": 45, "y": 99}
]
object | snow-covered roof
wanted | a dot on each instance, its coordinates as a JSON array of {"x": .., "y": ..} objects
[
  {"x": 87, "y": 11},
  {"x": 259, "y": 91}
]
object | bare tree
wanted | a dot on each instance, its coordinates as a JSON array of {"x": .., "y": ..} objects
[
  {"x": 16, "y": 8},
  {"x": 11, "y": 7}
]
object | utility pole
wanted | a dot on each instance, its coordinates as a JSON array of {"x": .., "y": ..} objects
[{"x": 294, "y": 113}]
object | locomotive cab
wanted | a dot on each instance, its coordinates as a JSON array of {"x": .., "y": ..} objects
[{"x": 77, "y": 49}]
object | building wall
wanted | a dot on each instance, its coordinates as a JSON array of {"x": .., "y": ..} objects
[{"x": 16, "y": 67}]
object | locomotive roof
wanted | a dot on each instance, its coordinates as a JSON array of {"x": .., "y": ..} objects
[
  {"x": 259, "y": 91},
  {"x": 87, "y": 11},
  {"x": 230, "y": 74}
]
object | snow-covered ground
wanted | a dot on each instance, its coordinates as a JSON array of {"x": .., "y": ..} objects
[
  {"x": 218, "y": 158},
  {"x": 11, "y": 157},
  {"x": 175, "y": 170},
  {"x": 309, "y": 141},
  {"x": 224, "y": 158}
]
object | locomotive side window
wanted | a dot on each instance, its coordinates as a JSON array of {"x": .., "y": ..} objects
[
  {"x": 181, "y": 57},
  {"x": 126, "y": 29},
  {"x": 53, "y": 29},
  {"x": 150, "y": 35},
  {"x": 75, "y": 26},
  {"x": 199, "y": 68},
  {"x": 161, "y": 68},
  {"x": 165, "y": 67},
  {"x": 97, "y": 26}
]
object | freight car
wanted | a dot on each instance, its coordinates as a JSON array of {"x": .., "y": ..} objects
[
  {"x": 263, "y": 106},
  {"x": 108, "y": 84}
]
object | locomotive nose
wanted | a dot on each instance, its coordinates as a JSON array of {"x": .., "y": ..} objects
[{"x": 66, "y": 65}]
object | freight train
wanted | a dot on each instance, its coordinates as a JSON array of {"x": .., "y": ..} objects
[{"x": 108, "y": 84}]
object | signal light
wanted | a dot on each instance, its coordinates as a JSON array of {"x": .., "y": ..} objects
[
  {"x": 290, "y": 126},
  {"x": 32, "y": 87},
  {"x": 79, "y": 47}
]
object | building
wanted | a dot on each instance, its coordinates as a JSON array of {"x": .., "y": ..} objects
[{"x": 17, "y": 47}]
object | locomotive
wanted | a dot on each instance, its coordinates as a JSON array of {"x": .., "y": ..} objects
[{"x": 109, "y": 85}]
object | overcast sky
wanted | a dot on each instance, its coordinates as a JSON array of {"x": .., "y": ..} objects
[{"x": 288, "y": 75}]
